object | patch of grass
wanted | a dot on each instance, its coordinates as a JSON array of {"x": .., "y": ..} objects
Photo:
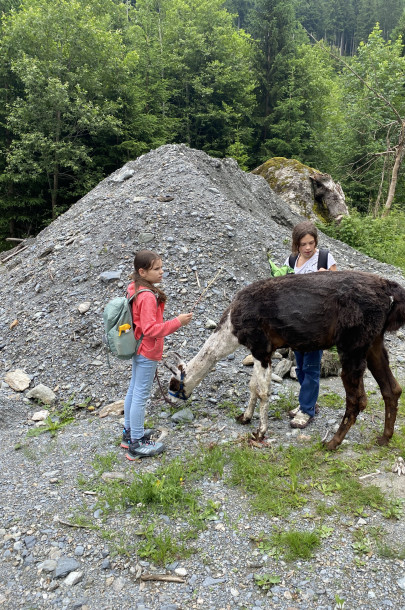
[
  {"x": 104, "y": 463},
  {"x": 286, "y": 401},
  {"x": 230, "y": 407},
  {"x": 266, "y": 581},
  {"x": 332, "y": 400},
  {"x": 296, "y": 544},
  {"x": 323, "y": 509},
  {"x": 82, "y": 519},
  {"x": 56, "y": 420},
  {"x": 160, "y": 547},
  {"x": 272, "y": 477}
]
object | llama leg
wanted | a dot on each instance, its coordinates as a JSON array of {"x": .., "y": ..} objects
[
  {"x": 356, "y": 399},
  {"x": 378, "y": 364},
  {"x": 259, "y": 389},
  {"x": 264, "y": 380}
]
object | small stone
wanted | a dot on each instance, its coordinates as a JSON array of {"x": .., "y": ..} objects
[
  {"x": 183, "y": 416},
  {"x": 43, "y": 394},
  {"x": 73, "y": 578},
  {"x": 109, "y": 276},
  {"x": 18, "y": 380},
  {"x": 65, "y": 565},
  {"x": 180, "y": 571},
  {"x": 40, "y": 415},
  {"x": 248, "y": 361},
  {"x": 113, "y": 476},
  {"x": 113, "y": 408},
  {"x": 84, "y": 307},
  {"x": 48, "y": 565}
]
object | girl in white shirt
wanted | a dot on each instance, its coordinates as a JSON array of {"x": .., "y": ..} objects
[{"x": 304, "y": 243}]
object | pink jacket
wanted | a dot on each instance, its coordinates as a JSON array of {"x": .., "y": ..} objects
[{"x": 148, "y": 319}]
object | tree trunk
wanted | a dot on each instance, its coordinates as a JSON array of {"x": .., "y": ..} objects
[
  {"x": 395, "y": 170},
  {"x": 55, "y": 187}
]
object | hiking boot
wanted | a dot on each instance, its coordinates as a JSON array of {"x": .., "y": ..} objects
[
  {"x": 301, "y": 420},
  {"x": 294, "y": 412},
  {"x": 126, "y": 436},
  {"x": 144, "y": 447}
]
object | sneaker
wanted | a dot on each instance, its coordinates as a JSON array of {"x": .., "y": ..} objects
[
  {"x": 126, "y": 436},
  {"x": 144, "y": 447},
  {"x": 301, "y": 420},
  {"x": 294, "y": 412}
]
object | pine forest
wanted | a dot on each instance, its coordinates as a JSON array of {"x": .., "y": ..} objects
[{"x": 86, "y": 85}]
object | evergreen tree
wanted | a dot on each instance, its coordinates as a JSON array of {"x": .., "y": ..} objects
[
  {"x": 68, "y": 69},
  {"x": 371, "y": 148}
]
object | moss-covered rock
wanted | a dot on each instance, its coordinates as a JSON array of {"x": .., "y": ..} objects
[{"x": 307, "y": 191}]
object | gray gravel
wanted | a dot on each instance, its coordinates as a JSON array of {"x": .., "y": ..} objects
[{"x": 201, "y": 214}]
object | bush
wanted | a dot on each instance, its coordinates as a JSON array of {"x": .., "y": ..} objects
[{"x": 382, "y": 238}]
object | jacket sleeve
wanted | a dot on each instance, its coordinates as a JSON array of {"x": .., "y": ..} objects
[{"x": 148, "y": 313}]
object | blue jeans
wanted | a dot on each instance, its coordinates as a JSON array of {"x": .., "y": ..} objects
[
  {"x": 143, "y": 372},
  {"x": 308, "y": 373}
]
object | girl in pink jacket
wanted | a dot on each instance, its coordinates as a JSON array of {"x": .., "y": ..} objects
[{"x": 147, "y": 311}]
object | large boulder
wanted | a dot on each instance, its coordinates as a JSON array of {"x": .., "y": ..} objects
[{"x": 307, "y": 191}]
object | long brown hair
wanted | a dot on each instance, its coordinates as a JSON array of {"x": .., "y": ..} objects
[
  {"x": 144, "y": 259},
  {"x": 299, "y": 232}
]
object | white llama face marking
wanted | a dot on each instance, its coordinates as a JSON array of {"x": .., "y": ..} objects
[{"x": 176, "y": 383}]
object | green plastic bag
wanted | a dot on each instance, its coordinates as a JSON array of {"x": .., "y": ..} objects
[{"x": 277, "y": 271}]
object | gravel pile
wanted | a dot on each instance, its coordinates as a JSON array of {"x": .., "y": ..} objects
[{"x": 202, "y": 215}]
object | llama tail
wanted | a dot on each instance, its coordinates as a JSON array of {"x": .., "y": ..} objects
[{"x": 396, "y": 315}]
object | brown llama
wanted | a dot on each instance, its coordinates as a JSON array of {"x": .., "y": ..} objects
[{"x": 349, "y": 309}]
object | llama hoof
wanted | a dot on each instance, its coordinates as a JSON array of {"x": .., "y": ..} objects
[
  {"x": 331, "y": 445},
  {"x": 382, "y": 441},
  {"x": 242, "y": 420},
  {"x": 258, "y": 436}
]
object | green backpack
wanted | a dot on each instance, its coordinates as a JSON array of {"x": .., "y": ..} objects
[{"x": 119, "y": 335}]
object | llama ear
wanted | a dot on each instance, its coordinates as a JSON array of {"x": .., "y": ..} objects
[{"x": 173, "y": 362}]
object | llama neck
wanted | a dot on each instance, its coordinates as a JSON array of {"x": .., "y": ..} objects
[{"x": 219, "y": 345}]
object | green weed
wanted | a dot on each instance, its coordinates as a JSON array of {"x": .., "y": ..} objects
[
  {"x": 230, "y": 407},
  {"x": 332, "y": 400},
  {"x": 266, "y": 581},
  {"x": 160, "y": 547},
  {"x": 296, "y": 544},
  {"x": 105, "y": 462},
  {"x": 56, "y": 420}
]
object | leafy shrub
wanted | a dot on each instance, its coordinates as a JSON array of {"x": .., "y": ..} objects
[{"x": 382, "y": 238}]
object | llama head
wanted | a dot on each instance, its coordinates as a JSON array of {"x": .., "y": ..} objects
[{"x": 176, "y": 384}]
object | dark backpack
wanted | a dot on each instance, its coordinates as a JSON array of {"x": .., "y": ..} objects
[{"x": 322, "y": 259}]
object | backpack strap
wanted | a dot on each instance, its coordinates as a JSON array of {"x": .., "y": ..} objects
[{"x": 323, "y": 258}]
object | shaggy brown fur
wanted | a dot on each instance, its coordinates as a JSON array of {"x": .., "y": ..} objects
[{"x": 351, "y": 310}]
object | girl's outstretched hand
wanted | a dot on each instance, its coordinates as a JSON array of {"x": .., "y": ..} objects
[{"x": 185, "y": 318}]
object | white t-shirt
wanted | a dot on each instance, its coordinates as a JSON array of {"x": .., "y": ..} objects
[{"x": 311, "y": 264}]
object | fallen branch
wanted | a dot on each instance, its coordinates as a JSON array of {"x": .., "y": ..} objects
[
  {"x": 162, "y": 578},
  {"x": 368, "y": 476},
  {"x": 14, "y": 254},
  {"x": 205, "y": 290},
  {"x": 85, "y": 527}
]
